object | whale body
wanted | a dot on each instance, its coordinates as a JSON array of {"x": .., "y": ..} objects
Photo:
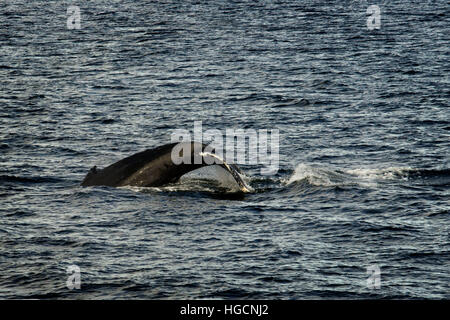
[{"x": 155, "y": 167}]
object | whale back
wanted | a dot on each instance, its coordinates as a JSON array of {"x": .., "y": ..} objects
[
  {"x": 147, "y": 168},
  {"x": 152, "y": 168}
]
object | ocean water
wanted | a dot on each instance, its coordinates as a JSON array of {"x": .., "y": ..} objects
[{"x": 358, "y": 209}]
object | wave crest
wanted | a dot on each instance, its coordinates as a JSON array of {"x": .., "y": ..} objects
[{"x": 330, "y": 177}]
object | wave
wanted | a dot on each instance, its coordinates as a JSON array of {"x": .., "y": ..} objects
[
  {"x": 19, "y": 179},
  {"x": 316, "y": 176},
  {"x": 329, "y": 177}
]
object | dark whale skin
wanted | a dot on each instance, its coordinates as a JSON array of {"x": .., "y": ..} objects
[{"x": 149, "y": 168}]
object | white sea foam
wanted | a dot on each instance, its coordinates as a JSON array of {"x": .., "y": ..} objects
[
  {"x": 313, "y": 175},
  {"x": 321, "y": 176},
  {"x": 380, "y": 173}
]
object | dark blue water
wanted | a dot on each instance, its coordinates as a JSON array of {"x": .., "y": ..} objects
[{"x": 364, "y": 128}]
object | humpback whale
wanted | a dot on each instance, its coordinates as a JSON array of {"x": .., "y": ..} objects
[{"x": 155, "y": 167}]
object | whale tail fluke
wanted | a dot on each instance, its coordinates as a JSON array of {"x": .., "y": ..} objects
[{"x": 155, "y": 167}]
